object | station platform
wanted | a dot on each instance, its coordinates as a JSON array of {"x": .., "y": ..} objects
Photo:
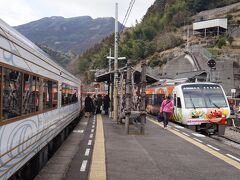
[{"x": 98, "y": 149}]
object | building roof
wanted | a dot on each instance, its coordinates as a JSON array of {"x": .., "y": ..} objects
[
  {"x": 193, "y": 74},
  {"x": 210, "y": 24}
]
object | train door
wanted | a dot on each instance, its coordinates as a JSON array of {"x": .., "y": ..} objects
[
  {"x": 175, "y": 102},
  {"x": 177, "y": 107}
]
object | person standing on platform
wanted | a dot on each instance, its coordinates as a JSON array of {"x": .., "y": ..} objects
[
  {"x": 88, "y": 106},
  {"x": 99, "y": 103},
  {"x": 94, "y": 104},
  {"x": 106, "y": 104},
  {"x": 166, "y": 109}
]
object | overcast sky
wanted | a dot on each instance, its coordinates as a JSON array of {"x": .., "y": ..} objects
[{"x": 16, "y": 12}]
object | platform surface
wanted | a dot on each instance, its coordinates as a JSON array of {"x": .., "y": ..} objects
[{"x": 175, "y": 153}]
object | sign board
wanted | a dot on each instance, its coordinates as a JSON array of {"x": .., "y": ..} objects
[{"x": 233, "y": 90}]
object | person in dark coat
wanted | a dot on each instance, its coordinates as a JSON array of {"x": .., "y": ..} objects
[
  {"x": 99, "y": 103},
  {"x": 106, "y": 104},
  {"x": 88, "y": 105},
  {"x": 94, "y": 104}
]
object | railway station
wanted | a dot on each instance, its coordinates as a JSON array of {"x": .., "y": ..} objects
[{"x": 130, "y": 121}]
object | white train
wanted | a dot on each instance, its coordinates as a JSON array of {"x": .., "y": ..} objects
[
  {"x": 196, "y": 105},
  {"x": 39, "y": 99}
]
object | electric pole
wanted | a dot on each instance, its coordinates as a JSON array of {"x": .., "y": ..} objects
[
  {"x": 115, "y": 97},
  {"x": 109, "y": 60}
]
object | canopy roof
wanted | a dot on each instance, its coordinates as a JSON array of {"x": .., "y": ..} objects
[{"x": 109, "y": 76}]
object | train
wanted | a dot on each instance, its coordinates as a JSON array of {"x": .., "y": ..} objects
[
  {"x": 196, "y": 105},
  {"x": 39, "y": 100}
]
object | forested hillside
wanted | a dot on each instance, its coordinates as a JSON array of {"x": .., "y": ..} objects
[{"x": 157, "y": 32}]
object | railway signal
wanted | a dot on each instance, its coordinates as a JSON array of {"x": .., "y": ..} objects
[{"x": 211, "y": 63}]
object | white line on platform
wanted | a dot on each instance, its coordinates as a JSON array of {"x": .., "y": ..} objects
[
  {"x": 93, "y": 123},
  {"x": 87, "y": 152},
  {"x": 176, "y": 129},
  {"x": 93, "y": 126},
  {"x": 197, "y": 140},
  {"x": 185, "y": 134},
  {"x": 89, "y": 142},
  {"x": 233, "y": 157},
  {"x": 91, "y": 136},
  {"x": 84, "y": 165},
  {"x": 198, "y": 135},
  {"x": 179, "y": 127},
  {"x": 92, "y": 130},
  {"x": 78, "y": 131},
  {"x": 213, "y": 147}
]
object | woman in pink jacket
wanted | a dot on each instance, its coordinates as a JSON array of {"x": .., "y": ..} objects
[{"x": 166, "y": 109}]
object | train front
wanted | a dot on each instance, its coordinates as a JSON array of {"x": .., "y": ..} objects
[{"x": 204, "y": 103}]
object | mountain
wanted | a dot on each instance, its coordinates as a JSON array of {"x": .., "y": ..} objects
[
  {"x": 76, "y": 34},
  {"x": 62, "y": 58},
  {"x": 163, "y": 28}
]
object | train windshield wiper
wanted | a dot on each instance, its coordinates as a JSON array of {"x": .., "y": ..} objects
[
  {"x": 194, "y": 107},
  {"x": 213, "y": 103}
]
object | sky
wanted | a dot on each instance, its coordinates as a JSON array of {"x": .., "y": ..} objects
[{"x": 17, "y": 12}]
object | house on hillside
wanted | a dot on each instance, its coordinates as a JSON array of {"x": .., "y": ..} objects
[{"x": 212, "y": 27}]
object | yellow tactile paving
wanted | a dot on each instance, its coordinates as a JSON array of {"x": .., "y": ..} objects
[
  {"x": 203, "y": 147},
  {"x": 98, "y": 167}
]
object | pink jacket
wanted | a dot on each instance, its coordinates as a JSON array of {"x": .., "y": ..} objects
[{"x": 166, "y": 106}]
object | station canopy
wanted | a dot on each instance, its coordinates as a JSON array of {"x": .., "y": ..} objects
[
  {"x": 109, "y": 76},
  {"x": 192, "y": 76}
]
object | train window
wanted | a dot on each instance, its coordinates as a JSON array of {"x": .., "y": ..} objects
[
  {"x": 55, "y": 94},
  {"x": 63, "y": 93},
  {"x": 199, "y": 96},
  {"x": 174, "y": 99},
  {"x": 36, "y": 92},
  {"x": 28, "y": 101},
  {"x": 12, "y": 93},
  {"x": 75, "y": 95},
  {"x": 155, "y": 99},
  {"x": 24, "y": 93},
  {"x": 194, "y": 101},
  {"x": 150, "y": 99},
  {"x": 47, "y": 94},
  {"x": 69, "y": 94},
  {"x": 179, "y": 105}
]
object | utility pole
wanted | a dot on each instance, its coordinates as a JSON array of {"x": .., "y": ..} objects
[
  {"x": 128, "y": 97},
  {"x": 115, "y": 97},
  {"x": 143, "y": 96},
  {"x": 109, "y": 60},
  {"x": 112, "y": 98}
]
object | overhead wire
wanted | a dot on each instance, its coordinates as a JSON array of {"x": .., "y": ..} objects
[{"x": 131, "y": 4}]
